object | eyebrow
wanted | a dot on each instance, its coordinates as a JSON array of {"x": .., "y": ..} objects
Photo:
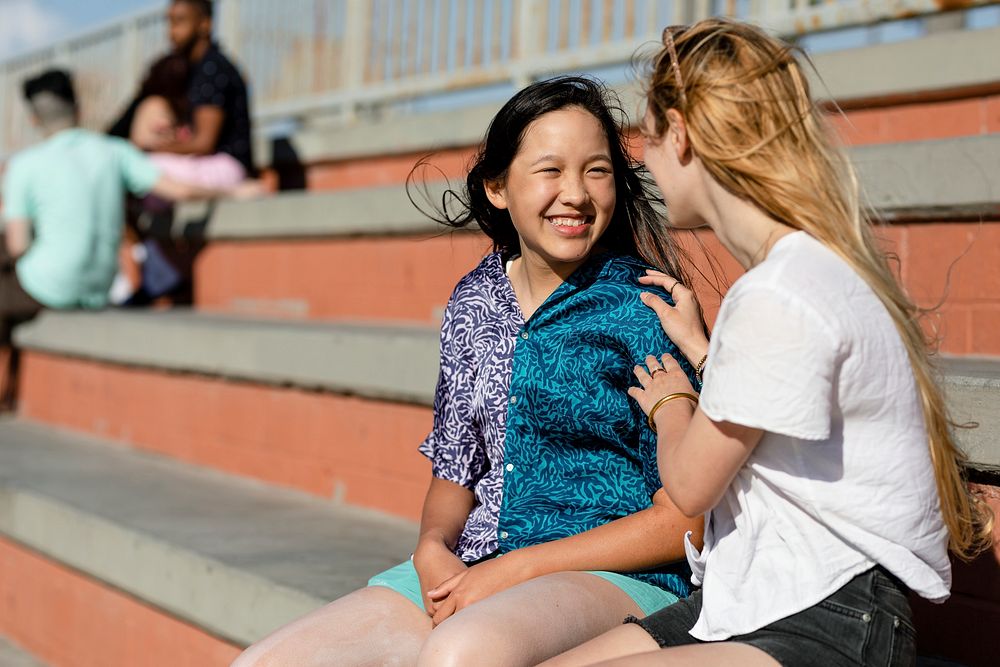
[{"x": 551, "y": 157}]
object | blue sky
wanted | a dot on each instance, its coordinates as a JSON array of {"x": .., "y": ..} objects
[{"x": 29, "y": 24}]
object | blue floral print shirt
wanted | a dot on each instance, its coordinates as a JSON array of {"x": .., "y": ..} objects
[{"x": 534, "y": 417}]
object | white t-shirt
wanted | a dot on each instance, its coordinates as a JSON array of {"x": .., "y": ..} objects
[{"x": 842, "y": 478}]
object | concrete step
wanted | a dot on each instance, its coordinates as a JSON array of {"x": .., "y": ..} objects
[
  {"x": 382, "y": 361},
  {"x": 14, "y": 656},
  {"x": 217, "y": 559},
  {"x": 331, "y": 409},
  {"x": 334, "y": 410}
]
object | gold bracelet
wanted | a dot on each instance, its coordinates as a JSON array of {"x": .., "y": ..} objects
[
  {"x": 700, "y": 367},
  {"x": 667, "y": 399}
]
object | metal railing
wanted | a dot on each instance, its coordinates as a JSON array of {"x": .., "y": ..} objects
[{"x": 305, "y": 57}]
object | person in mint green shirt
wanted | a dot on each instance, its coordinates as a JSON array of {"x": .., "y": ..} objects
[
  {"x": 63, "y": 201},
  {"x": 63, "y": 207}
]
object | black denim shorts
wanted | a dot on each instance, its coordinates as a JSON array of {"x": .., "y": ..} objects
[{"x": 867, "y": 622}]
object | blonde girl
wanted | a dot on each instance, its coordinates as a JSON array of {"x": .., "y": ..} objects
[{"x": 821, "y": 449}]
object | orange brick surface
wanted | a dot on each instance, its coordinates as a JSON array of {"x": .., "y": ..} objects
[
  {"x": 452, "y": 164},
  {"x": 396, "y": 278},
  {"x": 993, "y": 114},
  {"x": 359, "y": 451},
  {"x": 952, "y": 264},
  {"x": 69, "y": 620},
  {"x": 918, "y": 121}
]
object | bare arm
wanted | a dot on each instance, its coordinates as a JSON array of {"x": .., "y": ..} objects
[
  {"x": 446, "y": 509},
  {"x": 640, "y": 541},
  {"x": 17, "y": 235},
  {"x": 697, "y": 458},
  {"x": 172, "y": 190},
  {"x": 206, "y": 126}
]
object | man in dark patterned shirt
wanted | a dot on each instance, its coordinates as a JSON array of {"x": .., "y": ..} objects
[{"x": 218, "y": 152}]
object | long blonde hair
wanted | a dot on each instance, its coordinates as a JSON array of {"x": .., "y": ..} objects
[{"x": 753, "y": 125}]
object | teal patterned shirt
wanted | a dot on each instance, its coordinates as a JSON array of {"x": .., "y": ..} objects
[{"x": 577, "y": 451}]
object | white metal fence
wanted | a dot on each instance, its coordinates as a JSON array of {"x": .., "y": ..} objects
[{"x": 334, "y": 56}]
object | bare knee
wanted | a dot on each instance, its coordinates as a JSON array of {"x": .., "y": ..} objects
[
  {"x": 459, "y": 642},
  {"x": 372, "y": 626}
]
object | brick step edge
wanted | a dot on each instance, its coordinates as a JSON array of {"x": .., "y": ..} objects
[{"x": 233, "y": 557}]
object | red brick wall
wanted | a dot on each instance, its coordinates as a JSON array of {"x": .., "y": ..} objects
[
  {"x": 360, "y": 451},
  {"x": 372, "y": 278},
  {"x": 411, "y": 278}
]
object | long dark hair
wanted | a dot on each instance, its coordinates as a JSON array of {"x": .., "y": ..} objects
[{"x": 635, "y": 230}]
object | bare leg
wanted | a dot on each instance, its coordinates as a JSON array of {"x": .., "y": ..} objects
[
  {"x": 530, "y": 622},
  {"x": 372, "y": 626},
  {"x": 721, "y": 654},
  {"x": 625, "y": 640}
]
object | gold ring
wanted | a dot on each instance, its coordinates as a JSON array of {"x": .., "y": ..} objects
[{"x": 658, "y": 369}]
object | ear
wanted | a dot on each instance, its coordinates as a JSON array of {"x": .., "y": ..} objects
[
  {"x": 495, "y": 193},
  {"x": 677, "y": 134}
]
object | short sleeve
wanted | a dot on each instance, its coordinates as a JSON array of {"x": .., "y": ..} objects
[
  {"x": 138, "y": 171},
  {"x": 773, "y": 361},
  {"x": 455, "y": 446},
  {"x": 16, "y": 195},
  {"x": 208, "y": 85}
]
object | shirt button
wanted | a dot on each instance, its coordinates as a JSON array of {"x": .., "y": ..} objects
[
  {"x": 509, "y": 467},
  {"x": 524, "y": 335},
  {"x": 503, "y": 534},
  {"x": 513, "y": 400}
]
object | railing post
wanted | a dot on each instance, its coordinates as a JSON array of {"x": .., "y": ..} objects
[
  {"x": 5, "y": 124},
  {"x": 354, "y": 52},
  {"x": 530, "y": 33},
  {"x": 228, "y": 30},
  {"x": 131, "y": 65}
]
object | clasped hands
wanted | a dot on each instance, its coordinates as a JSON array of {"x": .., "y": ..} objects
[{"x": 460, "y": 585}]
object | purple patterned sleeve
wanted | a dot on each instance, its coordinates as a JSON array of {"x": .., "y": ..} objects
[{"x": 455, "y": 446}]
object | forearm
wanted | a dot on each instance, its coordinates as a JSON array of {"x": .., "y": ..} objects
[
  {"x": 179, "y": 191},
  {"x": 192, "y": 146},
  {"x": 699, "y": 462},
  {"x": 446, "y": 509},
  {"x": 636, "y": 542},
  {"x": 17, "y": 238},
  {"x": 694, "y": 350}
]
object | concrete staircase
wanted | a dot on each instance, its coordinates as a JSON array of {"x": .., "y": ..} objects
[{"x": 178, "y": 483}]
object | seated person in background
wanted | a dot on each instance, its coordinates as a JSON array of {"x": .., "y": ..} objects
[
  {"x": 159, "y": 112},
  {"x": 63, "y": 206},
  {"x": 217, "y": 153}
]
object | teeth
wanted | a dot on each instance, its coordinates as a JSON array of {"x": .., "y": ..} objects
[{"x": 568, "y": 222}]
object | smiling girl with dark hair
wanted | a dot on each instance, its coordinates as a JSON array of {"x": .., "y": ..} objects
[{"x": 545, "y": 495}]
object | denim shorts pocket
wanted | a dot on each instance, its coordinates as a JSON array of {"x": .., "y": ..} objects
[
  {"x": 844, "y": 610},
  {"x": 848, "y": 628},
  {"x": 903, "y": 652}
]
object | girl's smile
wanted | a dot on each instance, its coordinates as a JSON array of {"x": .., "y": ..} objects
[{"x": 559, "y": 189}]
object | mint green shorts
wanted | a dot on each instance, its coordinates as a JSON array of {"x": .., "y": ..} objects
[{"x": 403, "y": 579}]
